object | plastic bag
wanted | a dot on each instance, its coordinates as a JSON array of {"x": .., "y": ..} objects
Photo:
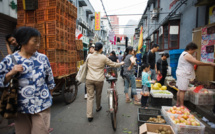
[{"x": 145, "y": 90}]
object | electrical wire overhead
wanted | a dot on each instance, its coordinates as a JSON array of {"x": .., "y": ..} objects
[{"x": 106, "y": 14}]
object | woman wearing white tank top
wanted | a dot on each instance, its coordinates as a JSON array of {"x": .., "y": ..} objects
[{"x": 185, "y": 71}]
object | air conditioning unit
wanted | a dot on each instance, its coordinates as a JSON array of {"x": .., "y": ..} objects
[
  {"x": 155, "y": 13},
  {"x": 80, "y": 28},
  {"x": 85, "y": 32}
]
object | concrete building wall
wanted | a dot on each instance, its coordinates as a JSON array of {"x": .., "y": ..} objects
[{"x": 6, "y": 9}]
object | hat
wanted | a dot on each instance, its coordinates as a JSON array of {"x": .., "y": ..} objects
[{"x": 92, "y": 46}]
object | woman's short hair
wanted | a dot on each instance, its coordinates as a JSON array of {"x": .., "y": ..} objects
[
  {"x": 191, "y": 46},
  {"x": 129, "y": 49},
  {"x": 24, "y": 34},
  {"x": 98, "y": 46},
  {"x": 113, "y": 52}
]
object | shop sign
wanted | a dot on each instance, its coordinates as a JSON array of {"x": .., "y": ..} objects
[
  {"x": 85, "y": 40},
  {"x": 152, "y": 37},
  {"x": 212, "y": 14},
  {"x": 173, "y": 3},
  {"x": 97, "y": 21}
]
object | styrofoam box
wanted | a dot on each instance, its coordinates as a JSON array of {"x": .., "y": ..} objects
[
  {"x": 164, "y": 110},
  {"x": 202, "y": 98},
  {"x": 186, "y": 129},
  {"x": 161, "y": 95}
]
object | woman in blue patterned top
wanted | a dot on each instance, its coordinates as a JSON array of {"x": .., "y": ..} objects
[{"x": 35, "y": 82}]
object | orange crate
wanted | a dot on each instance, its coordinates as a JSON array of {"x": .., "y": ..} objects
[
  {"x": 30, "y": 17},
  {"x": 42, "y": 42},
  {"x": 40, "y": 15},
  {"x": 21, "y": 25},
  {"x": 62, "y": 8},
  {"x": 21, "y": 17},
  {"x": 19, "y": 5},
  {"x": 52, "y": 14},
  {"x": 52, "y": 27},
  {"x": 42, "y": 51},
  {"x": 53, "y": 55},
  {"x": 42, "y": 4},
  {"x": 52, "y": 3},
  {"x": 54, "y": 68},
  {"x": 41, "y": 27},
  {"x": 31, "y": 25},
  {"x": 52, "y": 43}
]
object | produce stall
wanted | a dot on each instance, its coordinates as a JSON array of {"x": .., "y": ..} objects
[{"x": 56, "y": 21}]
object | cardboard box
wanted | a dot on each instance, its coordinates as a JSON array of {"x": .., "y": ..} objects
[{"x": 148, "y": 128}]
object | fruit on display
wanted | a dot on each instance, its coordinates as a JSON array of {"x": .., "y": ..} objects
[
  {"x": 179, "y": 110},
  {"x": 185, "y": 120},
  {"x": 157, "y": 86},
  {"x": 163, "y": 88},
  {"x": 163, "y": 130},
  {"x": 159, "y": 119},
  {"x": 204, "y": 91}
]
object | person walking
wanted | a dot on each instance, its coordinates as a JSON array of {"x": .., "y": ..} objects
[
  {"x": 95, "y": 78},
  {"x": 185, "y": 71},
  {"x": 129, "y": 75},
  {"x": 91, "y": 51},
  {"x": 120, "y": 57},
  {"x": 35, "y": 83},
  {"x": 113, "y": 57},
  {"x": 151, "y": 60},
  {"x": 162, "y": 67}
]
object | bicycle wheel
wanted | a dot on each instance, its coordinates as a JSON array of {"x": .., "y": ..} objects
[{"x": 113, "y": 114}]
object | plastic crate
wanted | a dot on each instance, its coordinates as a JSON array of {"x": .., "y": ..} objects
[
  {"x": 202, "y": 98},
  {"x": 41, "y": 27},
  {"x": 30, "y": 17},
  {"x": 174, "y": 56},
  {"x": 149, "y": 111},
  {"x": 52, "y": 3},
  {"x": 52, "y": 28},
  {"x": 54, "y": 68},
  {"x": 41, "y": 15},
  {"x": 52, "y": 42},
  {"x": 21, "y": 17},
  {"x": 176, "y": 51},
  {"x": 19, "y": 5},
  {"x": 42, "y": 4},
  {"x": 186, "y": 129},
  {"x": 175, "y": 60},
  {"x": 42, "y": 43},
  {"x": 173, "y": 64},
  {"x": 142, "y": 119},
  {"x": 53, "y": 55},
  {"x": 52, "y": 14},
  {"x": 158, "y": 102},
  {"x": 31, "y": 25}
]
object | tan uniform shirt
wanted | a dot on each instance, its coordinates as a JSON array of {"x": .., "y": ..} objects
[{"x": 96, "y": 64}]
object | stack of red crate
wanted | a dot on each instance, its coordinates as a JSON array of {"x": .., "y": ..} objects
[{"x": 56, "y": 21}]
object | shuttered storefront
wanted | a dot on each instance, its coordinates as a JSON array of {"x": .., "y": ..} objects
[{"x": 7, "y": 26}]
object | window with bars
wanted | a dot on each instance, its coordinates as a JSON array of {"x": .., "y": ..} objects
[{"x": 170, "y": 37}]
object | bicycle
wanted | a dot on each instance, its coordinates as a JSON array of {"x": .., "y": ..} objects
[{"x": 111, "y": 77}]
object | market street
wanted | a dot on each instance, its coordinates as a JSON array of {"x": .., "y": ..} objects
[{"x": 71, "y": 119}]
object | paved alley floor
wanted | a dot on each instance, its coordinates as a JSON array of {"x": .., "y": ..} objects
[{"x": 71, "y": 119}]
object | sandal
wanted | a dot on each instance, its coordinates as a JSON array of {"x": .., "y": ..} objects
[
  {"x": 128, "y": 100},
  {"x": 137, "y": 103}
]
